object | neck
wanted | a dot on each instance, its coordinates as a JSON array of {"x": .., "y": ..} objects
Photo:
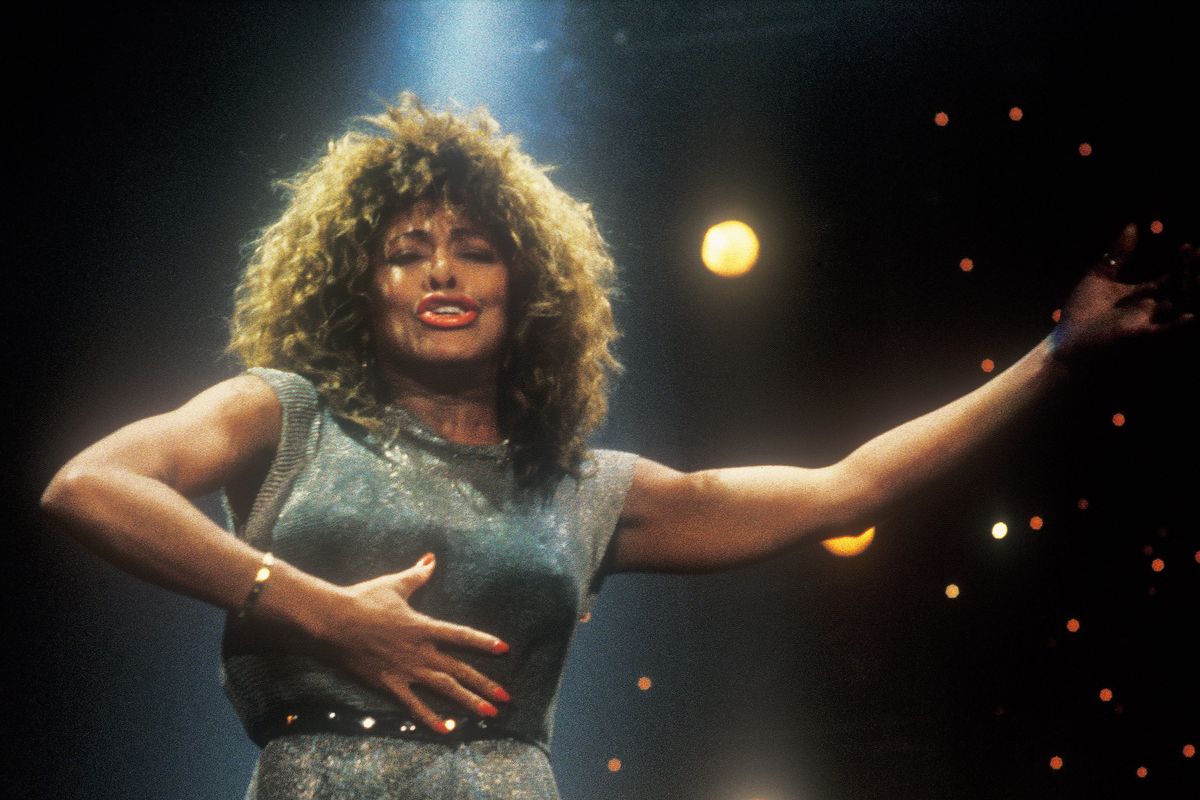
[{"x": 459, "y": 404}]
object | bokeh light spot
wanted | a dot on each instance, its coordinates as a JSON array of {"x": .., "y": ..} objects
[
  {"x": 999, "y": 530},
  {"x": 730, "y": 248},
  {"x": 941, "y": 119},
  {"x": 614, "y": 765},
  {"x": 847, "y": 546},
  {"x": 1073, "y": 625},
  {"x": 644, "y": 683},
  {"x": 1085, "y": 149},
  {"x": 1156, "y": 226},
  {"x": 966, "y": 265},
  {"x": 1158, "y": 565},
  {"x": 1142, "y": 772},
  {"x": 587, "y": 615},
  {"x": 987, "y": 365},
  {"x": 1056, "y": 314},
  {"x": 952, "y": 590},
  {"x": 1189, "y": 750},
  {"x": 1082, "y": 505},
  {"x": 1056, "y": 762},
  {"x": 1015, "y": 113},
  {"x": 1036, "y": 523},
  {"x": 1105, "y": 695},
  {"x": 1118, "y": 419}
]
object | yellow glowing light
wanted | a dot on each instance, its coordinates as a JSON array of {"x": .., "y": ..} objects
[
  {"x": 1056, "y": 314},
  {"x": 999, "y": 530},
  {"x": 941, "y": 119},
  {"x": 1189, "y": 750},
  {"x": 1085, "y": 149},
  {"x": 1158, "y": 565},
  {"x": 1156, "y": 226},
  {"x": 644, "y": 683},
  {"x": 1142, "y": 772},
  {"x": 1036, "y": 523},
  {"x": 952, "y": 590},
  {"x": 966, "y": 265},
  {"x": 847, "y": 546},
  {"x": 614, "y": 765},
  {"x": 987, "y": 365},
  {"x": 1056, "y": 762},
  {"x": 1105, "y": 695},
  {"x": 1073, "y": 625},
  {"x": 1118, "y": 419},
  {"x": 449, "y": 724},
  {"x": 587, "y": 615},
  {"x": 1015, "y": 113},
  {"x": 730, "y": 248}
]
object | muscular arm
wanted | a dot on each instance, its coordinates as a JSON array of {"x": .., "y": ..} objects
[
  {"x": 126, "y": 497},
  {"x": 706, "y": 520}
]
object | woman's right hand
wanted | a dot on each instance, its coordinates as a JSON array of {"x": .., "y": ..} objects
[{"x": 388, "y": 644}]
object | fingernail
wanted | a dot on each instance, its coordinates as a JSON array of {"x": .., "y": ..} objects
[
  {"x": 500, "y": 648},
  {"x": 426, "y": 560},
  {"x": 501, "y": 695},
  {"x": 487, "y": 709}
]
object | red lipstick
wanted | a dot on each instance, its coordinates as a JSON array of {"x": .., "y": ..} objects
[{"x": 447, "y": 310}]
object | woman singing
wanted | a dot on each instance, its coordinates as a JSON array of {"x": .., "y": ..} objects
[{"x": 418, "y": 519}]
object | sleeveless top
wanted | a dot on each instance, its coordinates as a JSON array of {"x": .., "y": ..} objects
[{"x": 518, "y": 563}]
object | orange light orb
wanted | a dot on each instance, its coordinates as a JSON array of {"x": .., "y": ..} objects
[
  {"x": 847, "y": 546},
  {"x": 587, "y": 615},
  {"x": 1056, "y": 762},
  {"x": 1073, "y": 625},
  {"x": 1158, "y": 565},
  {"x": 987, "y": 365},
  {"x": 1118, "y": 419},
  {"x": 1156, "y": 226},
  {"x": 1142, "y": 772},
  {"x": 1189, "y": 750},
  {"x": 941, "y": 119},
  {"x": 1105, "y": 695},
  {"x": 966, "y": 265},
  {"x": 730, "y": 248},
  {"x": 1056, "y": 314},
  {"x": 1085, "y": 149},
  {"x": 644, "y": 683},
  {"x": 1196, "y": 556},
  {"x": 1015, "y": 113},
  {"x": 1036, "y": 523},
  {"x": 614, "y": 765},
  {"x": 952, "y": 590}
]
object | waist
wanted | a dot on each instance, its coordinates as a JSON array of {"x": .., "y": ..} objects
[{"x": 311, "y": 719}]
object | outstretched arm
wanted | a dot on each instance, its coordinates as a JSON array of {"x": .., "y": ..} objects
[{"x": 682, "y": 522}]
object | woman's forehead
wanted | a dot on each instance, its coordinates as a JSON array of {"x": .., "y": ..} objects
[{"x": 430, "y": 215}]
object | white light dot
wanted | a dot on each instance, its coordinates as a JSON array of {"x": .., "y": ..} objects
[{"x": 999, "y": 530}]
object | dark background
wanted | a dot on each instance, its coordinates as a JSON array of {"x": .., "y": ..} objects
[{"x": 144, "y": 150}]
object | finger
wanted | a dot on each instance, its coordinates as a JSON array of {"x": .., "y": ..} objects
[
  {"x": 415, "y": 576},
  {"x": 450, "y": 687},
  {"x": 422, "y": 712},
  {"x": 463, "y": 636},
  {"x": 471, "y": 677},
  {"x": 1122, "y": 248}
]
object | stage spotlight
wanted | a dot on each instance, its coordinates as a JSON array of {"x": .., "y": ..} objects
[{"x": 730, "y": 248}]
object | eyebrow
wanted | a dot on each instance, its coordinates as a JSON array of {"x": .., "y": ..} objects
[{"x": 456, "y": 234}]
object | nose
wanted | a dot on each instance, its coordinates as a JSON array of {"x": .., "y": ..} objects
[{"x": 441, "y": 273}]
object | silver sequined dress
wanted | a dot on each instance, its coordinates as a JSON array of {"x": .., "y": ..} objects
[{"x": 512, "y": 562}]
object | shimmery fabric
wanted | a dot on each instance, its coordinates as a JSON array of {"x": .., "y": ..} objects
[{"x": 510, "y": 561}]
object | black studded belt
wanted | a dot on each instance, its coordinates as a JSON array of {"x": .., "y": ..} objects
[{"x": 349, "y": 722}]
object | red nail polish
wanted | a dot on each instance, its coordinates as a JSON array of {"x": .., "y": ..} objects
[
  {"x": 426, "y": 559},
  {"x": 500, "y": 648},
  {"x": 501, "y": 695},
  {"x": 487, "y": 709}
]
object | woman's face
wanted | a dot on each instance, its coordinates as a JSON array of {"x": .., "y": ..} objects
[{"x": 439, "y": 290}]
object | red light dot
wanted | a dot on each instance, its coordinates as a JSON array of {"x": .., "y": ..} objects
[
  {"x": 1156, "y": 226},
  {"x": 614, "y": 765},
  {"x": 644, "y": 683},
  {"x": 1056, "y": 315},
  {"x": 941, "y": 119},
  {"x": 966, "y": 265},
  {"x": 587, "y": 615},
  {"x": 1085, "y": 149},
  {"x": 1056, "y": 762},
  {"x": 1073, "y": 625},
  {"x": 1105, "y": 695},
  {"x": 1015, "y": 113},
  {"x": 1036, "y": 523},
  {"x": 987, "y": 365},
  {"x": 1158, "y": 565},
  {"x": 1197, "y": 556},
  {"x": 1142, "y": 772},
  {"x": 1118, "y": 419},
  {"x": 1082, "y": 504},
  {"x": 1189, "y": 750}
]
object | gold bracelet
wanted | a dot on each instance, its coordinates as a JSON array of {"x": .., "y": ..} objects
[{"x": 260, "y": 580}]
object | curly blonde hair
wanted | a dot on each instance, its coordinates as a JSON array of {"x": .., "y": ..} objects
[{"x": 303, "y": 305}]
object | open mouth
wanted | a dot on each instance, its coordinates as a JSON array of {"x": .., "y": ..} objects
[{"x": 440, "y": 310}]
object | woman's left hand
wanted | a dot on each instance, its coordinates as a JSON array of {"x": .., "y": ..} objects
[{"x": 1102, "y": 310}]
